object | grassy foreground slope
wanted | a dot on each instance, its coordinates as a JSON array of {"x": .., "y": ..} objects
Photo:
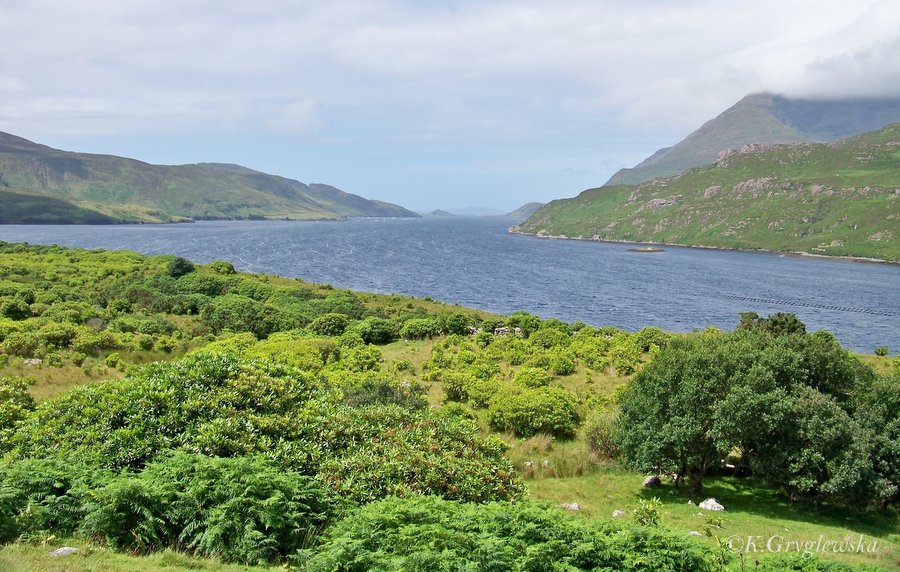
[
  {"x": 839, "y": 199},
  {"x": 134, "y": 191},
  {"x": 301, "y": 426}
]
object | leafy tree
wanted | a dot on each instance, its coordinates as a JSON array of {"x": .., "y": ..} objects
[
  {"x": 179, "y": 266},
  {"x": 528, "y": 412}
]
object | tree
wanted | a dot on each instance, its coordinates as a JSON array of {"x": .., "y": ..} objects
[{"x": 178, "y": 267}]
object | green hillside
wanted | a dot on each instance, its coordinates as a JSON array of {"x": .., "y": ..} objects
[
  {"x": 141, "y": 192},
  {"x": 839, "y": 199},
  {"x": 764, "y": 118}
]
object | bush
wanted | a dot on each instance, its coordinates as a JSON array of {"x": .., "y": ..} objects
[
  {"x": 221, "y": 267},
  {"x": 178, "y": 267},
  {"x": 15, "y": 404},
  {"x": 330, "y": 324},
  {"x": 562, "y": 364},
  {"x": 433, "y": 534},
  {"x": 531, "y": 377},
  {"x": 14, "y": 308},
  {"x": 245, "y": 509},
  {"x": 532, "y": 411},
  {"x": 419, "y": 328},
  {"x": 374, "y": 330},
  {"x": 598, "y": 434}
]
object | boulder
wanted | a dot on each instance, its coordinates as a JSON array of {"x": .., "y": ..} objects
[
  {"x": 64, "y": 551},
  {"x": 694, "y": 533},
  {"x": 711, "y": 504},
  {"x": 571, "y": 506},
  {"x": 617, "y": 513},
  {"x": 652, "y": 482}
]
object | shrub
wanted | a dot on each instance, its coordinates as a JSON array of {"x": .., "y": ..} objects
[
  {"x": 15, "y": 403},
  {"x": 14, "y": 308},
  {"x": 418, "y": 328},
  {"x": 598, "y": 434},
  {"x": 221, "y": 267},
  {"x": 562, "y": 364},
  {"x": 881, "y": 351},
  {"x": 178, "y": 267},
  {"x": 646, "y": 513},
  {"x": 245, "y": 509},
  {"x": 531, "y": 377},
  {"x": 432, "y": 534},
  {"x": 330, "y": 324},
  {"x": 374, "y": 330},
  {"x": 531, "y": 411}
]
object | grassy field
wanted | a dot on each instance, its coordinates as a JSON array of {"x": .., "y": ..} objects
[{"x": 750, "y": 510}]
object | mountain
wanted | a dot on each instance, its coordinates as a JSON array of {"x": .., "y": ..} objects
[
  {"x": 440, "y": 213},
  {"x": 765, "y": 118},
  {"x": 523, "y": 212},
  {"x": 133, "y": 191},
  {"x": 840, "y": 199}
]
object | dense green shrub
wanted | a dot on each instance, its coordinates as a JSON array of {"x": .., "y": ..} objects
[
  {"x": 242, "y": 314},
  {"x": 464, "y": 386},
  {"x": 14, "y": 308},
  {"x": 528, "y": 412},
  {"x": 202, "y": 283},
  {"x": 221, "y": 267},
  {"x": 419, "y": 328},
  {"x": 374, "y": 330},
  {"x": 15, "y": 403},
  {"x": 330, "y": 324},
  {"x": 178, "y": 267},
  {"x": 245, "y": 509},
  {"x": 221, "y": 405},
  {"x": 433, "y": 534},
  {"x": 531, "y": 377}
]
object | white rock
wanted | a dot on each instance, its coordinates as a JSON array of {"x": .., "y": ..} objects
[
  {"x": 694, "y": 533},
  {"x": 64, "y": 551},
  {"x": 711, "y": 504},
  {"x": 617, "y": 513},
  {"x": 571, "y": 506}
]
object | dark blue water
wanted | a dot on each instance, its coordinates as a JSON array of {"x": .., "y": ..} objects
[{"x": 474, "y": 262}]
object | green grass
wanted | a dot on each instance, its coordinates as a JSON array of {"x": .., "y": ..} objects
[
  {"x": 35, "y": 557},
  {"x": 751, "y": 510}
]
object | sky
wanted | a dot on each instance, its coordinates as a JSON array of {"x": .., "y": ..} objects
[{"x": 425, "y": 103}]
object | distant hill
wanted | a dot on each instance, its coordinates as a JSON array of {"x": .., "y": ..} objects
[
  {"x": 133, "y": 191},
  {"x": 765, "y": 119},
  {"x": 523, "y": 212},
  {"x": 440, "y": 213},
  {"x": 840, "y": 199}
]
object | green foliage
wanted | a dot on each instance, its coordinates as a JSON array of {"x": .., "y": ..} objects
[
  {"x": 221, "y": 267},
  {"x": 245, "y": 509},
  {"x": 598, "y": 433},
  {"x": 779, "y": 324},
  {"x": 237, "y": 313},
  {"x": 646, "y": 513},
  {"x": 432, "y": 534},
  {"x": 179, "y": 266},
  {"x": 375, "y": 330},
  {"x": 419, "y": 328},
  {"x": 881, "y": 351},
  {"x": 330, "y": 324},
  {"x": 785, "y": 402},
  {"x": 528, "y": 412},
  {"x": 14, "y": 308},
  {"x": 220, "y": 405},
  {"x": 531, "y": 377},
  {"x": 15, "y": 404}
]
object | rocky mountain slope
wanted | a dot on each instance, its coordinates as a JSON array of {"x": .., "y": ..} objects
[
  {"x": 765, "y": 119},
  {"x": 840, "y": 199}
]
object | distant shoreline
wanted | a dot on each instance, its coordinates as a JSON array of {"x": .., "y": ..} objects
[{"x": 795, "y": 254}]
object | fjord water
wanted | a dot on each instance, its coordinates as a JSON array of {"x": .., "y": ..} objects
[{"x": 474, "y": 262}]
